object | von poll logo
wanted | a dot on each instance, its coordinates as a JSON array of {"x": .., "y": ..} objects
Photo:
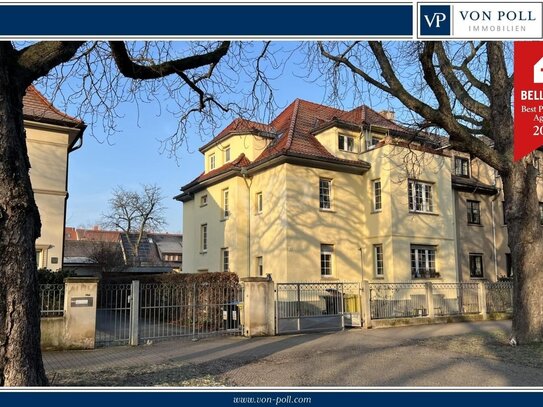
[{"x": 435, "y": 20}]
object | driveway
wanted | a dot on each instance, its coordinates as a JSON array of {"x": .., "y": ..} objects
[{"x": 379, "y": 357}]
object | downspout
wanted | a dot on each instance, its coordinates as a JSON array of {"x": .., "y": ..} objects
[
  {"x": 248, "y": 185},
  {"x": 494, "y": 234},
  {"x": 456, "y": 250}
]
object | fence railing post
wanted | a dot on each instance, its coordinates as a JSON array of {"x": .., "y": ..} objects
[
  {"x": 430, "y": 299},
  {"x": 194, "y": 310},
  {"x": 133, "y": 338},
  {"x": 482, "y": 300},
  {"x": 367, "y": 305}
]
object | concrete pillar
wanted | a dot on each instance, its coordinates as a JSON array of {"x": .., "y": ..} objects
[
  {"x": 430, "y": 299},
  {"x": 366, "y": 305},
  {"x": 80, "y": 312},
  {"x": 258, "y": 306}
]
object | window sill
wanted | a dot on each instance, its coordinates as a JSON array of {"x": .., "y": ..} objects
[
  {"x": 424, "y": 213},
  {"x": 478, "y": 278},
  {"x": 378, "y": 277},
  {"x": 329, "y": 278},
  {"x": 327, "y": 210},
  {"x": 224, "y": 219},
  {"x": 476, "y": 225},
  {"x": 376, "y": 211},
  {"x": 203, "y": 253}
]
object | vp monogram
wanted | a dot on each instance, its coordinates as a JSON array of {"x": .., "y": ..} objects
[{"x": 437, "y": 19}]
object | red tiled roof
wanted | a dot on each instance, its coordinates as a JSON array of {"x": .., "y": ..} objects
[
  {"x": 241, "y": 161},
  {"x": 36, "y": 107},
  {"x": 238, "y": 126},
  {"x": 97, "y": 235},
  {"x": 294, "y": 127}
]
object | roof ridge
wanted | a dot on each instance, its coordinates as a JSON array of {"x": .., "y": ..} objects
[
  {"x": 292, "y": 124},
  {"x": 51, "y": 106}
]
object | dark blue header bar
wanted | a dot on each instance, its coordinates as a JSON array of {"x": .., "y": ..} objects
[
  {"x": 206, "y": 21},
  {"x": 270, "y": 399}
]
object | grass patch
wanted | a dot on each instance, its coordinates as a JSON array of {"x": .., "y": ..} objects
[{"x": 492, "y": 345}]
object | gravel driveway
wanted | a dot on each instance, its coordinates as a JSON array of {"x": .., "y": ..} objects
[{"x": 380, "y": 357}]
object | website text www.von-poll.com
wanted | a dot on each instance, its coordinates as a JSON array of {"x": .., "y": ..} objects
[{"x": 276, "y": 401}]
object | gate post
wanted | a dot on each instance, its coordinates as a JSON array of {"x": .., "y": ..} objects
[
  {"x": 367, "y": 305},
  {"x": 80, "y": 312},
  {"x": 134, "y": 313},
  {"x": 258, "y": 306},
  {"x": 482, "y": 300},
  {"x": 430, "y": 299}
]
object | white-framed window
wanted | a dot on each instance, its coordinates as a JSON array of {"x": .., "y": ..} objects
[
  {"x": 225, "y": 259},
  {"x": 377, "y": 199},
  {"x": 327, "y": 254},
  {"x": 225, "y": 204},
  {"x": 227, "y": 154},
  {"x": 476, "y": 265},
  {"x": 423, "y": 262},
  {"x": 461, "y": 167},
  {"x": 203, "y": 200},
  {"x": 259, "y": 202},
  {"x": 260, "y": 266},
  {"x": 378, "y": 262},
  {"x": 345, "y": 143},
  {"x": 212, "y": 162},
  {"x": 372, "y": 141},
  {"x": 203, "y": 238},
  {"x": 420, "y": 196},
  {"x": 325, "y": 193}
]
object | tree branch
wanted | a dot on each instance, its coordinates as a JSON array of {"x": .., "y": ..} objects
[
  {"x": 38, "y": 59},
  {"x": 130, "y": 69}
]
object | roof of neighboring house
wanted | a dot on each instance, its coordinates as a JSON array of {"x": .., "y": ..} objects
[
  {"x": 152, "y": 246},
  {"x": 37, "y": 108},
  {"x": 95, "y": 234},
  {"x": 168, "y": 243}
]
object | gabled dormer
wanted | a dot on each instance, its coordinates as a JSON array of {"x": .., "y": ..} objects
[{"x": 239, "y": 137}]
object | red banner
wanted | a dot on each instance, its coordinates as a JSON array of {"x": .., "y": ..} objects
[{"x": 528, "y": 99}]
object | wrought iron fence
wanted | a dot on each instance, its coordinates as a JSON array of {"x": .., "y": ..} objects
[
  {"x": 317, "y": 306},
  {"x": 398, "y": 300},
  {"x": 455, "y": 298},
  {"x": 176, "y": 310},
  {"x": 499, "y": 297},
  {"x": 52, "y": 300}
]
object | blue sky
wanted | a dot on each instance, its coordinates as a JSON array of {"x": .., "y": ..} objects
[{"x": 132, "y": 156}]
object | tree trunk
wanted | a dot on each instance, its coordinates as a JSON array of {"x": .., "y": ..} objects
[
  {"x": 526, "y": 244},
  {"x": 20, "y": 355}
]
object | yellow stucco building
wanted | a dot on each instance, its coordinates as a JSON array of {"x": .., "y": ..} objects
[
  {"x": 51, "y": 135},
  {"x": 322, "y": 194}
]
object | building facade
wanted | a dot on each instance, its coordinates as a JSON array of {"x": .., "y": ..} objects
[
  {"x": 51, "y": 136},
  {"x": 322, "y": 194}
]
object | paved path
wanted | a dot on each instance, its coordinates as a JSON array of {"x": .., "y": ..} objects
[{"x": 379, "y": 357}]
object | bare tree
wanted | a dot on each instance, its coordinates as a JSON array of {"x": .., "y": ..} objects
[
  {"x": 108, "y": 256},
  {"x": 466, "y": 90},
  {"x": 135, "y": 213},
  {"x": 99, "y": 76}
]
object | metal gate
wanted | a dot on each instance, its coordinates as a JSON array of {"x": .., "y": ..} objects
[
  {"x": 312, "y": 307},
  {"x": 139, "y": 313},
  {"x": 113, "y": 310}
]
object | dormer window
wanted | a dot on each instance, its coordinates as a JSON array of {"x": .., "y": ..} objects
[
  {"x": 211, "y": 162},
  {"x": 461, "y": 167},
  {"x": 227, "y": 154},
  {"x": 345, "y": 143},
  {"x": 372, "y": 141}
]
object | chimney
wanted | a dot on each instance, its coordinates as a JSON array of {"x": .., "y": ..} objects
[
  {"x": 96, "y": 227},
  {"x": 388, "y": 114}
]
